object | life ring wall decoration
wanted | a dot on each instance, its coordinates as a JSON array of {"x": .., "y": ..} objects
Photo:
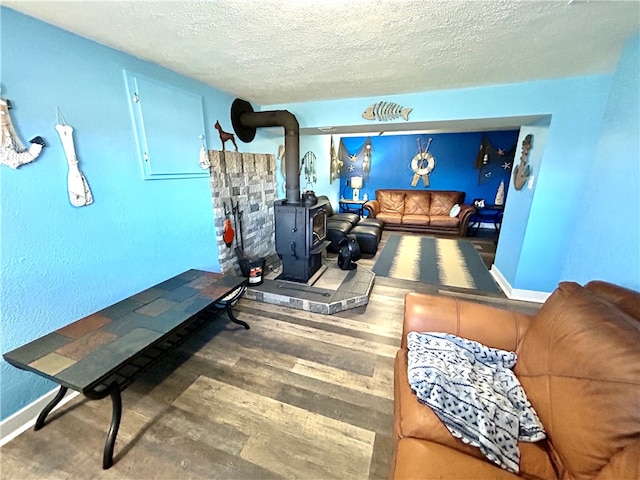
[{"x": 422, "y": 165}]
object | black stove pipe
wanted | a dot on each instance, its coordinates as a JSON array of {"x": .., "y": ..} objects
[{"x": 245, "y": 121}]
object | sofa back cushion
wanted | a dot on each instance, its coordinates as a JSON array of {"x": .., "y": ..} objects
[
  {"x": 442, "y": 201},
  {"x": 324, "y": 200},
  {"x": 391, "y": 201},
  {"x": 417, "y": 202},
  {"x": 579, "y": 363}
]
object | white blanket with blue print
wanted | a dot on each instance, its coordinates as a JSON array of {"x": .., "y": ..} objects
[{"x": 472, "y": 390}]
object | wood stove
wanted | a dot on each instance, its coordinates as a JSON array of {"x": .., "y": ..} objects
[
  {"x": 301, "y": 233},
  {"x": 300, "y": 228}
]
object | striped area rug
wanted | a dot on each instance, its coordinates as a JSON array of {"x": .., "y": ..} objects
[{"x": 436, "y": 261}]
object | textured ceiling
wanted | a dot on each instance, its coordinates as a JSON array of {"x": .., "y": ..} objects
[{"x": 282, "y": 51}]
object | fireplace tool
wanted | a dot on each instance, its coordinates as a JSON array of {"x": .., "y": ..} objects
[
  {"x": 235, "y": 211},
  {"x": 251, "y": 267},
  {"x": 228, "y": 232}
]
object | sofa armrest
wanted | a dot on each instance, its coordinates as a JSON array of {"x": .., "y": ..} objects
[
  {"x": 372, "y": 207},
  {"x": 491, "y": 326},
  {"x": 465, "y": 214}
]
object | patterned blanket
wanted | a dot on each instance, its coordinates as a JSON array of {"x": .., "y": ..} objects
[{"x": 471, "y": 388}]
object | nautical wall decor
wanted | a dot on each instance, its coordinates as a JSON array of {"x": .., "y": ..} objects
[
  {"x": 309, "y": 168},
  {"x": 385, "y": 111},
  {"x": 422, "y": 165},
  {"x": 523, "y": 169},
  {"x": 282, "y": 167},
  {"x": 499, "y": 200},
  {"x": 12, "y": 151},
  {"x": 204, "y": 161},
  {"x": 356, "y": 164},
  {"x": 335, "y": 165},
  {"x": 493, "y": 162},
  {"x": 224, "y": 136},
  {"x": 79, "y": 192}
]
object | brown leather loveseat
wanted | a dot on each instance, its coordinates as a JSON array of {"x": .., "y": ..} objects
[
  {"x": 428, "y": 211},
  {"x": 579, "y": 364}
]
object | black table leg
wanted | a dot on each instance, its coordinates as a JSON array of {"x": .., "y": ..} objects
[
  {"x": 229, "y": 302},
  {"x": 235, "y": 319},
  {"x": 50, "y": 406},
  {"x": 116, "y": 415}
]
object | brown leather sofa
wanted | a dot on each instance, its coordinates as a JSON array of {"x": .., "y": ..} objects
[
  {"x": 579, "y": 364},
  {"x": 425, "y": 211}
]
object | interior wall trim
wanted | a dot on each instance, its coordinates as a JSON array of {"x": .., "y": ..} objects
[
  {"x": 516, "y": 293},
  {"x": 26, "y": 418}
]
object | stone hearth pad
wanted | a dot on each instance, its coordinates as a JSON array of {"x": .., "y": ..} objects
[{"x": 333, "y": 291}]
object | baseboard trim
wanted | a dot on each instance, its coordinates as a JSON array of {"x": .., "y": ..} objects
[
  {"x": 25, "y": 418},
  {"x": 516, "y": 293}
]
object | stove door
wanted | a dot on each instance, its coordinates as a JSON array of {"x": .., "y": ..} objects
[{"x": 291, "y": 230}]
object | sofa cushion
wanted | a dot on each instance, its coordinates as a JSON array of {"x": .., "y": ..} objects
[
  {"x": 579, "y": 363},
  {"x": 419, "y": 459},
  {"x": 417, "y": 202},
  {"x": 442, "y": 201},
  {"x": 444, "y": 221},
  {"x": 390, "y": 218},
  {"x": 416, "y": 219},
  {"x": 352, "y": 218},
  {"x": 390, "y": 201},
  {"x": 413, "y": 419},
  {"x": 626, "y": 300}
]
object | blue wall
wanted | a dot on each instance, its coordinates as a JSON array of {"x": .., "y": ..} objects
[
  {"x": 532, "y": 255},
  {"x": 606, "y": 239},
  {"x": 518, "y": 208},
  {"x": 59, "y": 263},
  {"x": 455, "y": 155}
]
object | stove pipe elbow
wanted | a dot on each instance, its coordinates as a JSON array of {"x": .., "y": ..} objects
[{"x": 245, "y": 122}]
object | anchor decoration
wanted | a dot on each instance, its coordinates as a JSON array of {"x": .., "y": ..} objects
[
  {"x": 523, "y": 169},
  {"x": 422, "y": 165},
  {"x": 12, "y": 151}
]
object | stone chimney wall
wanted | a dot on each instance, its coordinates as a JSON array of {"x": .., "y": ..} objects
[{"x": 249, "y": 181}]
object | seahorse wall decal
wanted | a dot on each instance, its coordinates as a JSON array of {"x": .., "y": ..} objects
[
  {"x": 523, "y": 169},
  {"x": 12, "y": 151}
]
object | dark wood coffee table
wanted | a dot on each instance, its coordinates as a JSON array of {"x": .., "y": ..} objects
[{"x": 102, "y": 354}]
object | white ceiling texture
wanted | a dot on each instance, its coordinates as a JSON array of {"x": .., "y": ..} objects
[{"x": 286, "y": 51}]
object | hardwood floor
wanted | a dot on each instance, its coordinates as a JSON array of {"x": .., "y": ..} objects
[{"x": 300, "y": 395}]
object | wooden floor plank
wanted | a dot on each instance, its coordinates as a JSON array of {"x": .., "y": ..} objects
[{"x": 299, "y": 395}]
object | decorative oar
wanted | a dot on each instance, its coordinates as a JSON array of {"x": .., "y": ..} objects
[{"x": 79, "y": 192}]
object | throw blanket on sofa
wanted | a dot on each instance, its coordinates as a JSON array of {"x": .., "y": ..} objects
[{"x": 472, "y": 390}]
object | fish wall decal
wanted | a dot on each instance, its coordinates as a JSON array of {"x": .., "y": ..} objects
[{"x": 385, "y": 111}]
